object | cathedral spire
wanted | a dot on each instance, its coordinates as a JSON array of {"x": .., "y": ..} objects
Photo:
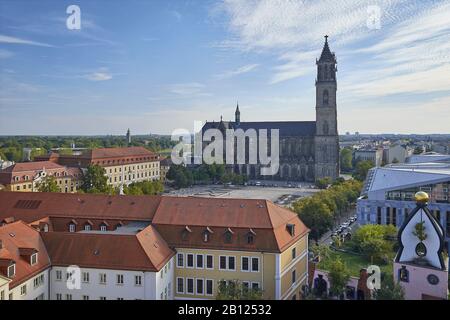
[
  {"x": 237, "y": 115},
  {"x": 326, "y": 55}
]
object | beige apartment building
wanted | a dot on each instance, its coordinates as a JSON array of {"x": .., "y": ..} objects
[
  {"x": 261, "y": 245},
  {"x": 26, "y": 176},
  {"x": 122, "y": 165}
]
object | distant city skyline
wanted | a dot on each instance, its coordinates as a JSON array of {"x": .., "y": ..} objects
[{"x": 154, "y": 66}]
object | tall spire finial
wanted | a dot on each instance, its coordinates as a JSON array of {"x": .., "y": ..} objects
[{"x": 326, "y": 38}]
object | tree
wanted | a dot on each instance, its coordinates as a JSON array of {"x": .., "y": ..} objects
[
  {"x": 95, "y": 180},
  {"x": 338, "y": 275},
  {"x": 389, "y": 290},
  {"x": 346, "y": 160},
  {"x": 362, "y": 168},
  {"x": 374, "y": 241},
  {"x": 234, "y": 290},
  {"x": 323, "y": 183},
  {"x": 48, "y": 184},
  {"x": 315, "y": 214}
]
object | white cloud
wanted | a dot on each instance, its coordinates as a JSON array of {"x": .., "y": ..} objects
[
  {"x": 241, "y": 70},
  {"x": 13, "y": 40},
  {"x": 101, "y": 75}
]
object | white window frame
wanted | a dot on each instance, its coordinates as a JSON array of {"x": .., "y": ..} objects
[
  {"x": 23, "y": 290},
  {"x": 136, "y": 282},
  {"x": 58, "y": 275},
  {"x": 206, "y": 261},
  {"x": 251, "y": 264},
  {"x": 178, "y": 260},
  {"x": 103, "y": 227},
  {"x": 102, "y": 276},
  {"x": 203, "y": 261},
  {"x": 176, "y": 286},
  {"x": 8, "y": 272},
  {"x": 228, "y": 263},
  {"x": 193, "y": 286},
  {"x": 248, "y": 264},
  {"x": 193, "y": 260},
  {"x": 71, "y": 227},
  {"x": 87, "y": 227},
  {"x": 203, "y": 287},
  {"x": 206, "y": 287},
  {"x": 35, "y": 255},
  {"x": 119, "y": 276},
  {"x": 255, "y": 282},
  {"x": 85, "y": 277}
]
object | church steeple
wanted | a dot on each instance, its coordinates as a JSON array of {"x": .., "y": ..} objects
[{"x": 237, "y": 115}]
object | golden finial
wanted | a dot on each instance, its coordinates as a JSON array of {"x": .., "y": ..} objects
[{"x": 421, "y": 197}]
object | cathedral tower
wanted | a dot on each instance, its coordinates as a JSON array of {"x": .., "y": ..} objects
[{"x": 326, "y": 139}]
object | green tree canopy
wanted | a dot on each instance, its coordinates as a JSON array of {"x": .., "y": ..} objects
[
  {"x": 346, "y": 160},
  {"x": 389, "y": 289},
  {"x": 235, "y": 290},
  {"x": 48, "y": 184},
  {"x": 338, "y": 275},
  {"x": 95, "y": 180},
  {"x": 375, "y": 241},
  {"x": 361, "y": 169}
]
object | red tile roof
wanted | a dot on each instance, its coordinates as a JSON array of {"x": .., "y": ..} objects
[
  {"x": 146, "y": 251},
  {"x": 16, "y": 236},
  {"x": 267, "y": 220},
  {"x": 169, "y": 215},
  {"x": 22, "y": 170},
  {"x": 72, "y": 205}
]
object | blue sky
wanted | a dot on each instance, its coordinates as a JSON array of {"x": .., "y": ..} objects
[{"x": 154, "y": 66}]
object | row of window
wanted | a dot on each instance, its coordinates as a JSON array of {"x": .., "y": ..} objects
[
  {"x": 206, "y": 261},
  {"x": 37, "y": 282},
  {"x": 68, "y": 296},
  {"x": 85, "y": 278},
  {"x": 198, "y": 286},
  {"x": 139, "y": 167},
  {"x": 227, "y": 235},
  {"x": 125, "y": 160},
  {"x": 132, "y": 177}
]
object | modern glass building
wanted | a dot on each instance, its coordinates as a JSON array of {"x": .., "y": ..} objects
[{"x": 388, "y": 193}]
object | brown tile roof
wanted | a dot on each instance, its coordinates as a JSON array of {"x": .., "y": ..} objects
[
  {"x": 20, "y": 205},
  {"x": 32, "y": 169},
  {"x": 242, "y": 216},
  {"x": 100, "y": 153},
  {"x": 146, "y": 251},
  {"x": 16, "y": 236},
  {"x": 169, "y": 215}
]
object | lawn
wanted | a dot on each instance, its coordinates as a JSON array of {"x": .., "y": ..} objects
[{"x": 353, "y": 262}]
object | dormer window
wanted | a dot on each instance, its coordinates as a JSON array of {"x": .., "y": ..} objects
[
  {"x": 185, "y": 233},
  {"x": 87, "y": 227},
  {"x": 11, "y": 272},
  {"x": 228, "y": 236},
  {"x": 206, "y": 234},
  {"x": 72, "y": 227},
  {"x": 291, "y": 229},
  {"x": 250, "y": 236},
  {"x": 34, "y": 259}
]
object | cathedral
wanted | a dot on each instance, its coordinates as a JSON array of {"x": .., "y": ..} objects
[{"x": 309, "y": 150}]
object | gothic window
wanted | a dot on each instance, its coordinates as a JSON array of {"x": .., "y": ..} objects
[
  {"x": 325, "y": 97},
  {"x": 326, "y": 128},
  {"x": 325, "y": 73}
]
